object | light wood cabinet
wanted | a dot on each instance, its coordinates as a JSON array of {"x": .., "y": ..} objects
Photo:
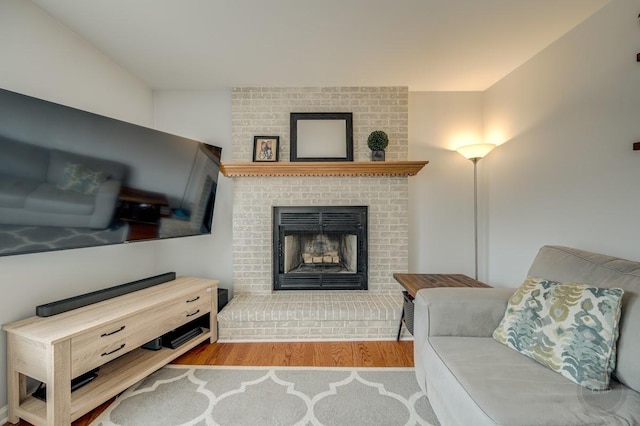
[{"x": 108, "y": 335}]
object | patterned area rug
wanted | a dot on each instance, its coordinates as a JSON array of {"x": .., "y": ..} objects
[
  {"x": 32, "y": 239},
  {"x": 215, "y": 395}
]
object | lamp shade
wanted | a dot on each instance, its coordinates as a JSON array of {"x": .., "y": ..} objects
[{"x": 475, "y": 151}]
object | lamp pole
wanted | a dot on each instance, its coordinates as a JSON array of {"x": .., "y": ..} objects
[
  {"x": 475, "y": 212},
  {"x": 475, "y": 153}
]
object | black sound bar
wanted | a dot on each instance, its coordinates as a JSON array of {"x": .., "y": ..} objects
[{"x": 76, "y": 302}]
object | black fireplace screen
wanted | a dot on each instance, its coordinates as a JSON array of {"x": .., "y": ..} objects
[{"x": 320, "y": 248}]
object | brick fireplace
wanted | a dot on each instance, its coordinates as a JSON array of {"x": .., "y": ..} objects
[{"x": 259, "y": 313}]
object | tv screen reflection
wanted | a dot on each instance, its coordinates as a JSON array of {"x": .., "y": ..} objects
[{"x": 71, "y": 179}]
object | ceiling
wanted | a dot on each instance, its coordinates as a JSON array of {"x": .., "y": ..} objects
[{"x": 427, "y": 45}]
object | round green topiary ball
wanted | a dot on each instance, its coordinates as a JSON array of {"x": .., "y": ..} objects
[{"x": 378, "y": 140}]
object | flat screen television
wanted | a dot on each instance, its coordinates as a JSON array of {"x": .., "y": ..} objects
[{"x": 71, "y": 178}]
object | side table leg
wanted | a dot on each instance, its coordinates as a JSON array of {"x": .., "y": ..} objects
[
  {"x": 213, "y": 316},
  {"x": 400, "y": 326}
]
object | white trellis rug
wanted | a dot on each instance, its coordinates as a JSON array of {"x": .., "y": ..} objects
[{"x": 215, "y": 395}]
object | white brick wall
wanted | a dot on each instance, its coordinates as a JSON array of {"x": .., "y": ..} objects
[
  {"x": 265, "y": 111},
  {"x": 311, "y": 315},
  {"x": 387, "y": 198}
]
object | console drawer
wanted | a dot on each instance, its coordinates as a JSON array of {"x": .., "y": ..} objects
[
  {"x": 191, "y": 307},
  {"x": 101, "y": 345},
  {"x": 105, "y": 343}
]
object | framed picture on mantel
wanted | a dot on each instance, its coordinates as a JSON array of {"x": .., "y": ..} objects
[
  {"x": 321, "y": 136},
  {"x": 265, "y": 148}
]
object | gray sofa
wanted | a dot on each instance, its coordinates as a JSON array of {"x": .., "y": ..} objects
[
  {"x": 471, "y": 379},
  {"x": 30, "y": 193}
]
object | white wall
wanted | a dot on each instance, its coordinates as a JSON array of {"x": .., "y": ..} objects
[
  {"x": 205, "y": 116},
  {"x": 41, "y": 58},
  {"x": 566, "y": 173},
  {"x": 441, "y": 196}
]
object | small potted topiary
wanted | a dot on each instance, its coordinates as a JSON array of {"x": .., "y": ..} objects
[{"x": 377, "y": 142}]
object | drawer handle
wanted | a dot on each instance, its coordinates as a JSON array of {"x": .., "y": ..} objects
[
  {"x": 190, "y": 315},
  {"x": 113, "y": 351},
  {"x": 113, "y": 332},
  {"x": 193, "y": 300}
]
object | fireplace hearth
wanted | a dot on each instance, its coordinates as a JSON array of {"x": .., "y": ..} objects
[{"x": 320, "y": 248}]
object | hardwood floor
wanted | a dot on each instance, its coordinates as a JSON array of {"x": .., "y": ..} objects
[
  {"x": 316, "y": 354},
  {"x": 311, "y": 354}
]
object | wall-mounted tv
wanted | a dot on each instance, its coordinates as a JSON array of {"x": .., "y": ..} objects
[{"x": 70, "y": 179}]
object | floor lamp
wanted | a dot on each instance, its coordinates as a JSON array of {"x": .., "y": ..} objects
[{"x": 475, "y": 153}]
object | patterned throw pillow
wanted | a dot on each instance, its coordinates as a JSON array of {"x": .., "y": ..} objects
[
  {"x": 570, "y": 328},
  {"x": 80, "y": 178}
]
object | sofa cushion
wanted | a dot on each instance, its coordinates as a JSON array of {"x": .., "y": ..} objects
[
  {"x": 570, "y": 328},
  {"x": 14, "y": 191},
  {"x": 23, "y": 160},
  {"x": 566, "y": 264},
  {"x": 48, "y": 198},
  {"x": 483, "y": 382},
  {"x": 60, "y": 159},
  {"x": 80, "y": 178}
]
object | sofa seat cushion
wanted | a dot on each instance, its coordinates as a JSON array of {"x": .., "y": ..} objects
[
  {"x": 48, "y": 198},
  {"x": 492, "y": 384},
  {"x": 14, "y": 191}
]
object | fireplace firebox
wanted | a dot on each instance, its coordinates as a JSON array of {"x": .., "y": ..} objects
[{"x": 320, "y": 248}]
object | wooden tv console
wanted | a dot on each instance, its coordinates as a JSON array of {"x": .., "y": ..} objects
[{"x": 108, "y": 335}]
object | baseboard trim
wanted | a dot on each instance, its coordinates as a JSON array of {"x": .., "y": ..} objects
[
  {"x": 275, "y": 339},
  {"x": 4, "y": 414}
]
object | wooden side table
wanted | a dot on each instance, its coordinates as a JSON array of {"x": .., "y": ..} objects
[
  {"x": 142, "y": 210},
  {"x": 141, "y": 206},
  {"x": 414, "y": 282}
]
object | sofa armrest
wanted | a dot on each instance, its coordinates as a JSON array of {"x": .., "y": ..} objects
[
  {"x": 466, "y": 312},
  {"x": 105, "y": 204}
]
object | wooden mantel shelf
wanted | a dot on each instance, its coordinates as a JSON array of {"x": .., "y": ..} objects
[{"x": 337, "y": 168}]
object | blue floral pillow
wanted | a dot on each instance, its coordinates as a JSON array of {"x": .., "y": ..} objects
[
  {"x": 80, "y": 178},
  {"x": 570, "y": 328}
]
